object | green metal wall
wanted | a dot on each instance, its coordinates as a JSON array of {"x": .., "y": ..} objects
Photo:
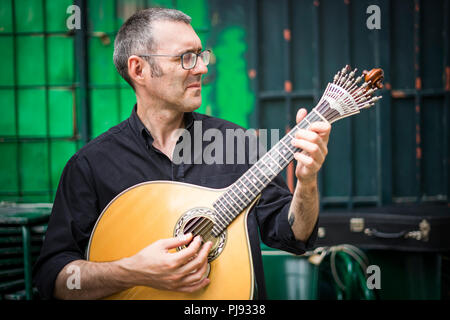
[
  {"x": 59, "y": 89},
  {"x": 37, "y": 98},
  {"x": 396, "y": 152}
]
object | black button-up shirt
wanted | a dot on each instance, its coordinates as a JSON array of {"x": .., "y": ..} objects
[{"x": 125, "y": 156}]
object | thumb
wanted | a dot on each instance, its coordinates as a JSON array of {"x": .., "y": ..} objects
[
  {"x": 301, "y": 114},
  {"x": 179, "y": 241}
]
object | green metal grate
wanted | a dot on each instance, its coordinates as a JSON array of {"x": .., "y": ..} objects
[
  {"x": 38, "y": 131},
  {"x": 59, "y": 87}
]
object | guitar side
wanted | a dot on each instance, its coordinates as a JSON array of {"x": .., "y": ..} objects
[{"x": 148, "y": 212}]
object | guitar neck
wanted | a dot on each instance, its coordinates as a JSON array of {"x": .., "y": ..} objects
[
  {"x": 342, "y": 98},
  {"x": 247, "y": 188}
]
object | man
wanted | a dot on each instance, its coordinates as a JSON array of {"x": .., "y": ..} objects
[{"x": 159, "y": 54}]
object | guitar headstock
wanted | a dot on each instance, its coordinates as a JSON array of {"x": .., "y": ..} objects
[
  {"x": 345, "y": 96},
  {"x": 374, "y": 77}
]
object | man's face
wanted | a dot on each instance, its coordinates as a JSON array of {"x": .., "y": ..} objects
[{"x": 176, "y": 87}]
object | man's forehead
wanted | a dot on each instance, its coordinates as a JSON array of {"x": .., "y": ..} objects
[{"x": 175, "y": 36}]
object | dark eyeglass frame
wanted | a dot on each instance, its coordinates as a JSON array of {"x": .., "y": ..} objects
[{"x": 181, "y": 56}]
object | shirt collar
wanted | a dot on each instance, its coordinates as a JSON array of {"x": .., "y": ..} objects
[{"x": 141, "y": 130}]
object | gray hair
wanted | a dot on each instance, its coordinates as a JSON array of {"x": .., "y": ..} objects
[{"x": 135, "y": 36}]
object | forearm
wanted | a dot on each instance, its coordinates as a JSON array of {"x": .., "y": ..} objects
[
  {"x": 82, "y": 279},
  {"x": 304, "y": 209}
]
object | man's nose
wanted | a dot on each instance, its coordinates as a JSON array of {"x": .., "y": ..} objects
[{"x": 200, "y": 67}]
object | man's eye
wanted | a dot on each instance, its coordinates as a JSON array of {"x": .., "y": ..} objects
[{"x": 187, "y": 58}]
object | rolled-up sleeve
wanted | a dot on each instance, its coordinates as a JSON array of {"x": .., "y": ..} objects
[
  {"x": 272, "y": 213},
  {"x": 75, "y": 210}
]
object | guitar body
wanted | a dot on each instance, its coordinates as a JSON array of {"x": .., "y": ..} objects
[{"x": 151, "y": 211}]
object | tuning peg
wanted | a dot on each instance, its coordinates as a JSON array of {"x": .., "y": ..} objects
[
  {"x": 336, "y": 76},
  {"x": 344, "y": 69},
  {"x": 352, "y": 74},
  {"x": 342, "y": 80},
  {"x": 376, "y": 99}
]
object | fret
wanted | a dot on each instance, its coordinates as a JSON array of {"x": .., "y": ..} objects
[
  {"x": 272, "y": 166},
  {"x": 274, "y": 161},
  {"x": 238, "y": 194},
  {"x": 289, "y": 133},
  {"x": 263, "y": 173},
  {"x": 277, "y": 149},
  {"x": 306, "y": 119},
  {"x": 287, "y": 144},
  {"x": 251, "y": 185},
  {"x": 228, "y": 205},
  {"x": 219, "y": 218},
  {"x": 244, "y": 189},
  {"x": 268, "y": 166},
  {"x": 313, "y": 117},
  {"x": 262, "y": 183},
  {"x": 224, "y": 196},
  {"x": 305, "y": 123},
  {"x": 287, "y": 147},
  {"x": 321, "y": 116},
  {"x": 266, "y": 173},
  {"x": 238, "y": 197},
  {"x": 248, "y": 179},
  {"x": 263, "y": 167},
  {"x": 241, "y": 192},
  {"x": 282, "y": 160},
  {"x": 222, "y": 223},
  {"x": 224, "y": 210}
]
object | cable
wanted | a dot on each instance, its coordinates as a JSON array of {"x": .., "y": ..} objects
[{"x": 355, "y": 254}]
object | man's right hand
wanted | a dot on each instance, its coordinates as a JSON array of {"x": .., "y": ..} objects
[{"x": 182, "y": 271}]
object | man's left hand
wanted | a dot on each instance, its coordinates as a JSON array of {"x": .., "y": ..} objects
[{"x": 313, "y": 143}]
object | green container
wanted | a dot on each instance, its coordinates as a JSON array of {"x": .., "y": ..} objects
[{"x": 288, "y": 276}]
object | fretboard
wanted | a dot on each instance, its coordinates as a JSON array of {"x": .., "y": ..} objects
[{"x": 245, "y": 190}]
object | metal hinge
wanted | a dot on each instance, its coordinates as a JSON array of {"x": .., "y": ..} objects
[
  {"x": 422, "y": 233},
  {"x": 356, "y": 224},
  {"x": 321, "y": 232}
]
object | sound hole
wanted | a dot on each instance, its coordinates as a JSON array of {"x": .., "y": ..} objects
[
  {"x": 200, "y": 222},
  {"x": 200, "y": 226}
]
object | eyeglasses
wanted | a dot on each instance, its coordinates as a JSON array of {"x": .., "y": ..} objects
[{"x": 188, "y": 59}]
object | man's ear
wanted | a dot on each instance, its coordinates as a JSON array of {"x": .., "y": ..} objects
[{"x": 137, "y": 69}]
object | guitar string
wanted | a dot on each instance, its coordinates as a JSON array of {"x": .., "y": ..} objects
[
  {"x": 323, "y": 109},
  {"x": 205, "y": 237},
  {"x": 261, "y": 172},
  {"x": 199, "y": 229},
  {"x": 202, "y": 224},
  {"x": 198, "y": 226},
  {"x": 202, "y": 231}
]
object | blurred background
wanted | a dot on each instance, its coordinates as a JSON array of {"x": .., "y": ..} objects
[{"x": 384, "y": 186}]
